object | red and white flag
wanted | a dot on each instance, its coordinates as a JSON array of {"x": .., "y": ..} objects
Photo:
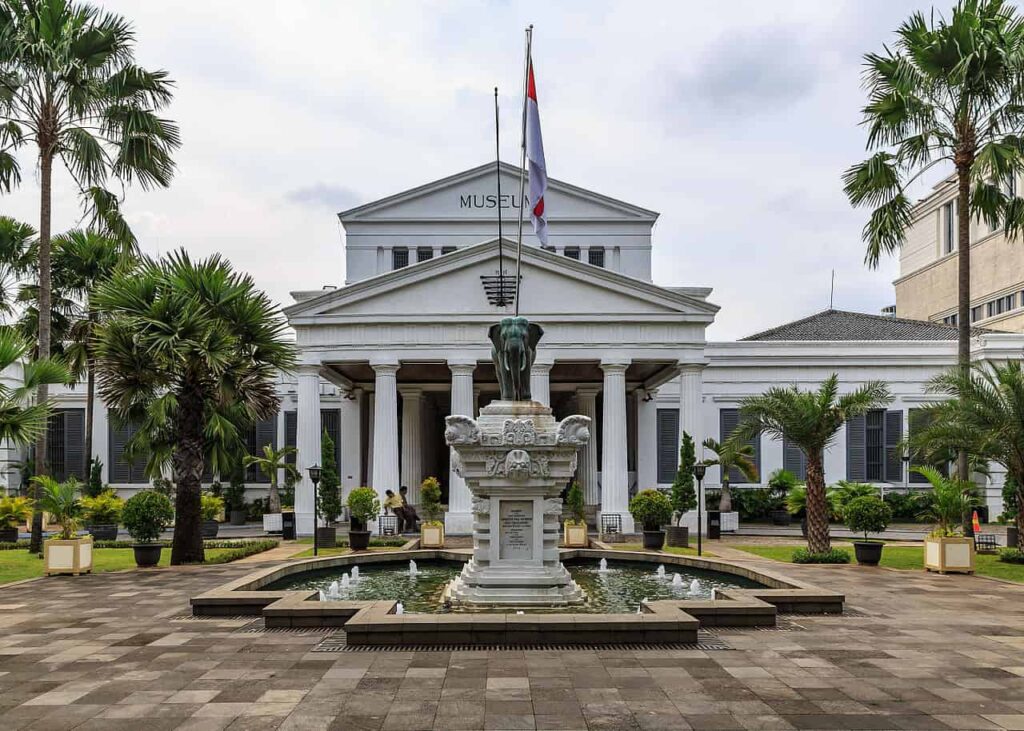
[{"x": 535, "y": 156}]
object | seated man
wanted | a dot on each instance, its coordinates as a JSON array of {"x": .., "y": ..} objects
[
  {"x": 408, "y": 511},
  {"x": 394, "y": 503}
]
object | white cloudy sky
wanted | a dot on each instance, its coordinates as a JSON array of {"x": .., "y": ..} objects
[{"x": 734, "y": 120}]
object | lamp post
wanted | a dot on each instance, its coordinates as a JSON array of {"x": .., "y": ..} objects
[
  {"x": 314, "y": 477},
  {"x": 906, "y": 472},
  {"x": 698, "y": 471}
]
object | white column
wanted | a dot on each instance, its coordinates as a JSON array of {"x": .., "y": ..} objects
[
  {"x": 437, "y": 255},
  {"x": 412, "y": 441},
  {"x": 586, "y": 404},
  {"x": 647, "y": 439},
  {"x": 476, "y": 401},
  {"x": 691, "y": 404},
  {"x": 459, "y": 518},
  {"x": 280, "y": 436},
  {"x": 100, "y": 445},
  {"x": 614, "y": 467},
  {"x": 307, "y": 442},
  {"x": 385, "y": 427},
  {"x": 351, "y": 467},
  {"x": 540, "y": 381},
  {"x": 371, "y": 404}
]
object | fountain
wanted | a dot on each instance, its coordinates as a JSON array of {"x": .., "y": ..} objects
[
  {"x": 399, "y": 609},
  {"x": 413, "y": 571},
  {"x": 602, "y": 567},
  {"x": 346, "y": 582},
  {"x": 333, "y": 589},
  {"x": 677, "y": 581},
  {"x": 355, "y": 573},
  {"x": 660, "y": 573},
  {"x": 695, "y": 587}
]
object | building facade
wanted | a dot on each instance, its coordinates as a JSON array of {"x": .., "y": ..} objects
[
  {"x": 384, "y": 358},
  {"x": 927, "y": 285}
]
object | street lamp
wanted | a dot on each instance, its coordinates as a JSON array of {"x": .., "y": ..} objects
[
  {"x": 906, "y": 472},
  {"x": 698, "y": 471},
  {"x": 314, "y": 477}
]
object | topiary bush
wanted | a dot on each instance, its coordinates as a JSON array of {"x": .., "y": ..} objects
[
  {"x": 867, "y": 515},
  {"x": 651, "y": 508},
  {"x": 146, "y": 514},
  {"x": 363, "y": 504},
  {"x": 683, "y": 495},
  {"x": 430, "y": 500},
  {"x": 329, "y": 490},
  {"x": 835, "y": 555},
  {"x": 577, "y": 508}
]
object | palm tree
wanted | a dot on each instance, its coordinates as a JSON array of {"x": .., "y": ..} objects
[
  {"x": 810, "y": 420},
  {"x": 69, "y": 87},
  {"x": 190, "y": 350},
  {"x": 984, "y": 412},
  {"x": 61, "y": 501},
  {"x": 731, "y": 453},
  {"x": 269, "y": 464},
  {"x": 17, "y": 250},
  {"x": 948, "y": 91}
]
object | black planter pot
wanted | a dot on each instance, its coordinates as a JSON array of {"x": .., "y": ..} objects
[
  {"x": 677, "y": 536},
  {"x": 103, "y": 532},
  {"x": 654, "y": 540},
  {"x": 147, "y": 554},
  {"x": 327, "y": 537},
  {"x": 8, "y": 535},
  {"x": 1011, "y": 536},
  {"x": 868, "y": 553},
  {"x": 237, "y": 517},
  {"x": 359, "y": 540},
  {"x": 780, "y": 517},
  {"x": 209, "y": 528}
]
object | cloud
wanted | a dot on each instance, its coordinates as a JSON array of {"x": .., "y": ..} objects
[{"x": 324, "y": 195}]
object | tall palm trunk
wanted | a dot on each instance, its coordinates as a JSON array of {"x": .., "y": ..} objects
[
  {"x": 964, "y": 160},
  {"x": 188, "y": 474},
  {"x": 273, "y": 497},
  {"x": 1020, "y": 515},
  {"x": 43, "y": 393},
  {"x": 817, "y": 506}
]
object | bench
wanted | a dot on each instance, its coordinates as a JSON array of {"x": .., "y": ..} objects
[{"x": 985, "y": 542}]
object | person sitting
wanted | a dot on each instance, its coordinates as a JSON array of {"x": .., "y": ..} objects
[
  {"x": 408, "y": 511},
  {"x": 393, "y": 503}
]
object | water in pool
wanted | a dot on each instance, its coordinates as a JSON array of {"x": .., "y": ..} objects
[{"x": 619, "y": 588}]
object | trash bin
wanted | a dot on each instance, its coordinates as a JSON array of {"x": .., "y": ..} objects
[
  {"x": 288, "y": 525},
  {"x": 714, "y": 524}
]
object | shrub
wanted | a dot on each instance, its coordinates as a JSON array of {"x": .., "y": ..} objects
[
  {"x": 430, "y": 499},
  {"x": 241, "y": 550},
  {"x": 755, "y": 503},
  {"x": 146, "y": 514},
  {"x": 651, "y": 508},
  {"x": 574, "y": 501},
  {"x": 796, "y": 499},
  {"x": 103, "y": 509},
  {"x": 95, "y": 484},
  {"x": 1009, "y": 513},
  {"x": 712, "y": 499},
  {"x": 165, "y": 487},
  {"x": 210, "y": 506},
  {"x": 14, "y": 511},
  {"x": 781, "y": 481},
  {"x": 843, "y": 493},
  {"x": 1011, "y": 555},
  {"x": 834, "y": 555},
  {"x": 234, "y": 495},
  {"x": 61, "y": 501},
  {"x": 328, "y": 494},
  {"x": 868, "y": 514},
  {"x": 683, "y": 495},
  {"x": 904, "y": 507},
  {"x": 363, "y": 504}
]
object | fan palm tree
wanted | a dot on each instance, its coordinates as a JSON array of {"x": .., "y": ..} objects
[
  {"x": 269, "y": 464},
  {"x": 948, "y": 91},
  {"x": 187, "y": 349},
  {"x": 17, "y": 251},
  {"x": 810, "y": 420},
  {"x": 984, "y": 412},
  {"x": 70, "y": 88},
  {"x": 728, "y": 454}
]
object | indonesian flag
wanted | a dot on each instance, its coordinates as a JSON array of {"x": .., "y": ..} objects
[{"x": 535, "y": 158}]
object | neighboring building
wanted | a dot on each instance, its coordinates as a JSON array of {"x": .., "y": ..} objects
[
  {"x": 927, "y": 286},
  {"x": 385, "y": 358}
]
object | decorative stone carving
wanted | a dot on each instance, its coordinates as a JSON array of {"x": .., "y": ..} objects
[
  {"x": 456, "y": 463},
  {"x": 519, "y": 432},
  {"x": 518, "y": 465},
  {"x": 461, "y": 430},
  {"x": 553, "y": 506},
  {"x": 574, "y": 430},
  {"x": 481, "y": 505}
]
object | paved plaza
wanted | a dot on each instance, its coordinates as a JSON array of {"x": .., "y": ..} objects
[{"x": 118, "y": 651}]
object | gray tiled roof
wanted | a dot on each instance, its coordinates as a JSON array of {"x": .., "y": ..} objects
[{"x": 841, "y": 325}]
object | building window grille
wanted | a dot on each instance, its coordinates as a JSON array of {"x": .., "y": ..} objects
[
  {"x": 399, "y": 257},
  {"x": 424, "y": 253},
  {"x": 447, "y": 250},
  {"x": 873, "y": 447},
  {"x": 949, "y": 228},
  {"x": 1002, "y": 304},
  {"x": 572, "y": 252},
  {"x": 596, "y": 256},
  {"x": 950, "y": 319}
]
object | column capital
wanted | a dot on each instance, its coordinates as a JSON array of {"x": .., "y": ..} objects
[
  {"x": 410, "y": 391},
  {"x": 615, "y": 365},
  {"x": 385, "y": 364},
  {"x": 588, "y": 389},
  {"x": 308, "y": 369},
  {"x": 542, "y": 366},
  {"x": 462, "y": 367},
  {"x": 691, "y": 368}
]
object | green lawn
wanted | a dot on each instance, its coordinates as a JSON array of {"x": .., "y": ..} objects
[
  {"x": 18, "y": 564},
  {"x": 904, "y": 558},
  {"x": 667, "y": 549}
]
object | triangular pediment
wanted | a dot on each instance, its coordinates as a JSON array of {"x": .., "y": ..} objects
[
  {"x": 474, "y": 194},
  {"x": 451, "y": 288}
]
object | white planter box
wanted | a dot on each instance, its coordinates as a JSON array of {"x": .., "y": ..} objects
[
  {"x": 949, "y": 555},
  {"x": 68, "y": 557},
  {"x": 432, "y": 536},
  {"x": 730, "y": 522},
  {"x": 272, "y": 523}
]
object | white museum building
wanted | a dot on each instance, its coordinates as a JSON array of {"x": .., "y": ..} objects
[{"x": 403, "y": 343}]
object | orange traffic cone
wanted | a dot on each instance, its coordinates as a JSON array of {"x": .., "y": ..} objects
[{"x": 975, "y": 523}]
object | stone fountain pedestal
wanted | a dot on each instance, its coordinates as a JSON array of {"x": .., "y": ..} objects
[{"x": 516, "y": 459}]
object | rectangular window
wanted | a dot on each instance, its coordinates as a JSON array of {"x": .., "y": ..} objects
[
  {"x": 424, "y": 253},
  {"x": 793, "y": 459},
  {"x": 873, "y": 447},
  {"x": 728, "y": 420},
  {"x": 951, "y": 319},
  {"x": 596, "y": 256},
  {"x": 447, "y": 250},
  {"x": 919, "y": 419},
  {"x": 572, "y": 252},
  {"x": 259, "y": 435},
  {"x": 399, "y": 257},
  {"x": 668, "y": 445},
  {"x": 976, "y": 314},
  {"x": 949, "y": 228},
  {"x": 66, "y": 440},
  {"x": 120, "y": 470}
]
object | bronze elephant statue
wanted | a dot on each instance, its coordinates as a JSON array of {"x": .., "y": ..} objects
[{"x": 514, "y": 347}]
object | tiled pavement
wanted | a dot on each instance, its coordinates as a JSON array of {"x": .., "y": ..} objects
[{"x": 106, "y": 652}]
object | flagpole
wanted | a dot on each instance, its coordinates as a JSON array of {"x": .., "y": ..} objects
[
  {"x": 522, "y": 167},
  {"x": 497, "y": 173}
]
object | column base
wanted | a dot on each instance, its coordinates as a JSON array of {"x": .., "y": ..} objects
[
  {"x": 628, "y": 525},
  {"x": 303, "y": 525},
  {"x": 458, "y": 524}
]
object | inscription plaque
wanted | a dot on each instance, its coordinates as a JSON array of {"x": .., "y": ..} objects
[{"x": 515, "y": 529}]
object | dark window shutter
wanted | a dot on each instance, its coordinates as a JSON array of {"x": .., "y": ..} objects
[
  {"x": 55, "y": 442},
  {"x": 668, "y": 444},
  {"x": 119, "y": 469},
  {"x": 728, "y": 420},
  {"x": 794, "y": 460},
  {"x": 74, "y": 444},
  {"x": 291, "y": 433},
  {"x": 330, "y": 420},
  {"x": 261, "y": 433},
  {"x": 856, "y": 449},
  {"x": 893, "y": 452}
]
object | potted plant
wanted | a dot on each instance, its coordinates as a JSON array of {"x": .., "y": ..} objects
[
  {"x": 575, "y": 527},
  {"x": 682, "y": 495},
  {"x": 210, "y": 507},
  {"x": 14, "y": 511},
  {"x": 67, "y": 553},
  {"x": 328, "y": 493},
  {"x": 945, "y": 548},
  {"x": 652, "y": 510},
  {"x": 146, "y": 514},
  {"x": 270, "y": 464},
  {"x": 780, "y": 483},
  {"x": 432, "y": 527},
  {"x": 731, "y": 454},
  {"x": 867, "y": 514},
  {"x": 363, "y": 506},
  {"x": 102, "y": 514},
  {"x": 234, "y": 498}
]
